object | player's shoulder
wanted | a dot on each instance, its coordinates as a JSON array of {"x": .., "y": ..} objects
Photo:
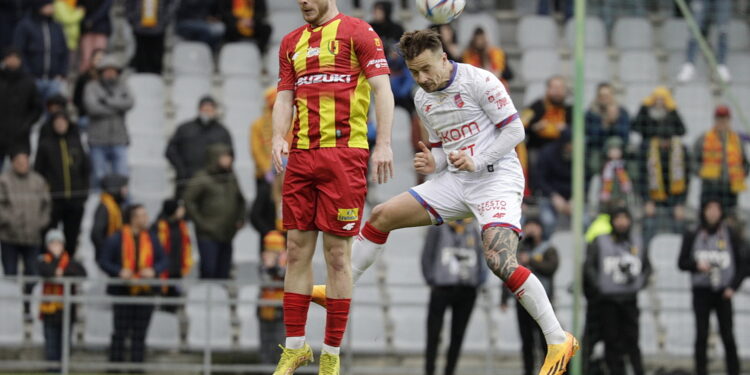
[
  {"x": 353, "y": 25},
  {"x": 293, "y": 36},
  {"x": 472, "y": 74},
  {"x": 420, "y": 95}
]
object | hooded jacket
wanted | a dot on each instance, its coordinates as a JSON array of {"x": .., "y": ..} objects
[
  {"x": 20, "y": 107},
  {"x": 63, "y": 162},
  {"x": 213, "y": 199},
  {"x": 187, "y": 148},
  {"x": 106, "y": 105},
  {"x": 25, "y": 208},
  {"x": 43, "y": 46},
  {"x": 388, "y": 30}
]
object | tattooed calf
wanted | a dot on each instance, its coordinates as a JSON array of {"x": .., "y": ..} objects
[{"x": 500, "y": 246}]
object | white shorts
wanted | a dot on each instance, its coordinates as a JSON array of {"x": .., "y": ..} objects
[{"x": 493, "y": 200}]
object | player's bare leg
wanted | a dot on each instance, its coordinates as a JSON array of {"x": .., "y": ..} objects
[
  {"x": 401, "y": 211},
  {"x": 337, "y": 251},
  {"x": 500, "y": 246}
]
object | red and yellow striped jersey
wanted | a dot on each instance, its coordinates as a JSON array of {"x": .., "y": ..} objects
[{"x": 328, "y": 67}]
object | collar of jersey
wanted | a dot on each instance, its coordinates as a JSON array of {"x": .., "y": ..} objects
[
  {"x": 453, "y": 75},
  {"x": 310, "y": 28}
]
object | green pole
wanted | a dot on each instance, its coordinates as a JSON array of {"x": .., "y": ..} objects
[{"x": 578, "y": 172}]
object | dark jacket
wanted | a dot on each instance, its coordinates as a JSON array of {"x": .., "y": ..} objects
[
  {"x": 97, "y": 16},
  {"x": 43, "y": 47},
  {"x": 388, "y": 30},
  {"x": 670, "y": 125},
  {"x": 537, "y": 111},
  {"x": 597, "y": 135},
  {"x": 20, "y": 108},
  {"x": 106, "y": 106},
  {"x": 111, "y": 261},
  {"x": 552, "y": 173},
  {"x": 230, "y": 21},
  {"x": 111, "y": 185},
  {"x": 63, "y": 162},
  {"x": 197, "y": 10},
  {"x": 11, "y": 13},
  {"x": 78, "y": 90},
  {"x": 187, "y": 148},
  {"x": 47, "y": 265},
  {"x": 164, "y": 16},
  {"x": 214, "y": 201},
  {"x": 686, "y": 262}
]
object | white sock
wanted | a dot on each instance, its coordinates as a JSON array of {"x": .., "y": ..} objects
[
  {"x": 295, "y": 342},
  {"x": 331, "y": 349},
  {"x": 364, "y": 255},
  {"x": 534, "y": 299}
]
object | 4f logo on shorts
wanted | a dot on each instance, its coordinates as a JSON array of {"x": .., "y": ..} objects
[
  {"x": 349, "y": 226},
  {"x": 348, "y": 214}
]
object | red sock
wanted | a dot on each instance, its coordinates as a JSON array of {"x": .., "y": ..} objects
[
  {"x": 374, "y": 234},
  {"x": 336, "y": 318},
  {"x": 295, "y": 313},
  {"x": 517, "y": 279}
]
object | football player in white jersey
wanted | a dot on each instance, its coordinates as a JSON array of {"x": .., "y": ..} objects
[{"x": 473, "y": 128}]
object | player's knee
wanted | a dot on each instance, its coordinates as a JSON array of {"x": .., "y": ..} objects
[
  {"x": 379, "y": 217},
  {"x": 336, "y": 259}
]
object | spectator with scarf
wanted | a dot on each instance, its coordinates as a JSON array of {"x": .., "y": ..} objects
[
  {"x": 488, "y": 57},
  {"x": 131, "y": 254},
  {"x": 149, "y": 20},
  {"x": 605, "y": 118},
  {"x": 548, "y": 117},
  {"x": 658, "y": 116},
  {"x": 721, "y": 162},
  {"x": 271, "y": 318},
  {"x": 245, "y": 20},
  {"x": 54, "y": 264},
  {"x": 616, "y": 184},
  {"x": 108, "y": 217},
  {"x": 174, "y": 237}
]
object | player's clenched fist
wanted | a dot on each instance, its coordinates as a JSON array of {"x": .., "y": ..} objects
[
  {"x": 462, "y": 161},
  {"x": 280, "y": 147},
  {"x": 424, "y": 162}
]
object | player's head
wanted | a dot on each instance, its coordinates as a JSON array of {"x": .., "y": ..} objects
[
  {"x": 557, "y": 90},
  {"x": 425, "y": 59},
  {"x": 316, "y": 12}
]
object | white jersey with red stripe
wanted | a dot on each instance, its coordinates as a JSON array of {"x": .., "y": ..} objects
[{"x": 467, "y": 114}]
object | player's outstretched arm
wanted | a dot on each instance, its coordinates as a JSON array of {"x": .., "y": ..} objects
[
  {"x": 382, "y": 155},
  {"x": 282, "y": 121}
]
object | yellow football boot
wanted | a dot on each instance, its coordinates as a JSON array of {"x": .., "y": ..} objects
[
  {"x": 292, "y": 359},
  {"x": 558, "y": 356}
]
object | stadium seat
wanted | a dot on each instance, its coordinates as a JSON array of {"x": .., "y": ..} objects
[
  {"x": 674, "y": 35},
  {"x": 538, "y": 32},
  {"x": 739, "y": 67},
  {"x": 246, "y": 94},
  {"x": 597, "y": 66},
  {"x": 147, "y": 115},
  {"x": 738, "y": 36},
  {"x": 186, "y": 92},
  {"x": 250, "y": 331},
  {"x": 534, "y": 91},
  {"x": 632, "y": 33},
  {"x": 218, "y": 334},
  {"x": 634, "y": 95},
  {"x": 639, "y": 66},
  {"x": 147, "y": 87},
  {"x": 164, "y": 330},
  {"x": 468, "y": 22},
  {"x": 272, "y": 61},
  {"x": 284, "y": 22},
  {"x": 147, "y": 147},
  {"x": 11, "y": 327},
  {"x": 540, "y": 64},
  {"x": 240, "y": 59},
  {"x": 740, "y": 92},
  {"x": 246, "y": 242},
  {"x": 367, "y": 327},
  {"x": 665, "y": 249},
  {"x": 675, "y": 61},
  {"x": 595, "y": 33},
  {"x": 192, "y": 58},
  {"x": 696, "y": 106},
  {"x": 150, "y": 178},
  {"x": 98, "y": 329},
  {"x": 411, "y": 328}
]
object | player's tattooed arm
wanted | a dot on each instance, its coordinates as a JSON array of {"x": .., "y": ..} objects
[{"x": 500, "y": 246}]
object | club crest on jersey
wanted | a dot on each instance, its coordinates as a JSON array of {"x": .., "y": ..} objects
[
  {"x": 459, "y": 100},
  {"x": 348, "y": 214},
  {"x": 333, "y": 47},
  {"x": 427, "y": 108},
  {"x": 378, "y": 43}
]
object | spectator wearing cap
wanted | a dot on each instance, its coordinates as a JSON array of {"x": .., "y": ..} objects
[
  {"x": 541, "y": 258},
  {"x": 108, "y": 217},
  {"x": 56, "y": 263},
  {"x": 149, "y": 20},
  {"x": 107, "y": 100},
  {"x": 19, "y": 103},
  {"x": 64, "y": 164},
  {"x": 271, "y": 318},
  {"x": 721, "y": 162},
  {"x": 172, "y": 231},
  {"x": 549, "y": 116},
  {"x": 246, "y": 20},
  {"x": 482, "y": 54},
  {"x": 24, "y": 213},
  {"x": 605, "y": 118},
  {"x": 95, "y": 29},
  {"x": 44, "y": 50},
  {"x": 658, "y": 116},
  {"x": 200, "y": 21},
  {"x": 187, "y": 149},
  {"x": 552, "y": 179},
  {"x": 216, "y": 206}
]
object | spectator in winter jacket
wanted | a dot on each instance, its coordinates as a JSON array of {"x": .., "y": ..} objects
[
  {"x": 149, "y": 20},
  {"x": 174, "y": 236},
  {"x": 549, "y": 116},
  {"x": 488, "y": 57},
  {"x": 80, "y": 86},
  {"x": 382, "y": 22},
  {"x": 56, "y": 263},
  {"x": 108, "y": 217},
  {"x": 11, "y": 13},
  {"x": 107, "y": 100},
  {"x": 271, "y": 318},
  {"x": 19, "y": 103},
  {"x": 132, "y": 253},
  {"x": 95, "y": 29},
  {"x": 541, "y": 258},
  {"x": 69, "y": 16},
  {"x": 64, "y": 164},
  {"x": 199, "y": 20},
  {"x": 216, "y": 206},
  {"x": 43, "y": 48},
  {"x": 658, "y": 116},
  {"x": 714, "y": 254},
  {"x": 605, "y": 118},
  {"x": 245, "y": 20},
  {"x": 24, "y": 212},
  {"x": 453, "y": 268},
  {"x": 187, "y": 148},
  {"x": 263, "y": 209},
  {"x": 616, "y": 186},
  {"x": 721, "y": 162},
  {"x": 554, "y": 181},
  {"x": 616, "y": 269}
]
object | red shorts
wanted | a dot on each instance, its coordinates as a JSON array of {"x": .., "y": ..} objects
[{"x": 324, "y": 190}]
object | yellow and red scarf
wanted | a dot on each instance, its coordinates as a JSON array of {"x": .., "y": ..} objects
[
  {"x": 145, "y": 256},
  {"x": 614, "y": 169},
  {"x": 149, "y": 13},
  {"x": 677, "y": 178},
  {"x": 114, "y": 215},
  {"x": 187, "y": 250},
  {"x": 714, "y": 157},
  {"x": 53, "y": 289},
  {"x": 242, "y": 10}
]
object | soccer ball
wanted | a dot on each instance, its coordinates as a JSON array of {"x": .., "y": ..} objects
[{"x": 441, "y": 11}]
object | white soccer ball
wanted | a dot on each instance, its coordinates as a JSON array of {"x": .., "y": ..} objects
[{"x": 441, "y": 11}]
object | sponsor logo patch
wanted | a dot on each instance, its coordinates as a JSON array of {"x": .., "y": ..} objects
[
  {"x": 313, "y": 51},
  {"x": 348, "y": 214},
  {"x": 379, "y": 63},
  {"x": 459, "y": 100},
  {"x": 349, "y": 226},
  {"x": 324, "y": 78}
]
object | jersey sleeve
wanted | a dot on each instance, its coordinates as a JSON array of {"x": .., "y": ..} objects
[
  {"x": 286, "y": 69},
  {"x": 369, "y": 50},
  {"x": 491, "y": 95}
]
